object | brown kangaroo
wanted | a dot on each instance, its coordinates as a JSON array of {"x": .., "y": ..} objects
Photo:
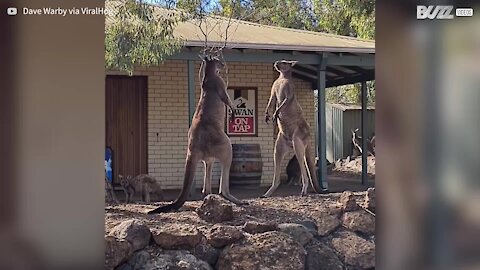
[
  {"x": 143, "y": 183},
  {"x": 293, "y": 129},
  {"x": 207, "y": 139}
]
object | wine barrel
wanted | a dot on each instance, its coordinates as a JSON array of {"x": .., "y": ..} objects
[{"x": 247, "y": 166}]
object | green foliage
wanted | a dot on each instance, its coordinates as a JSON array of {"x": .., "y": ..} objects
[
  {"x": 349, "y": 18},
  {"x": 350, "y": 94},
  {"x": 346, "y": 17},
  {"x": 138, "y": 36},
  {"x": 284, "y": 13}
]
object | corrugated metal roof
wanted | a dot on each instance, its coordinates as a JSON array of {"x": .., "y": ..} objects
[
  {"x": 347, "y": 107},
  {"x": 250, "y": 35},
  {"x": 243, "y": 34}
]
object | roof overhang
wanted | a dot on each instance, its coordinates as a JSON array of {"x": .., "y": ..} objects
[{"x": 286, "y": 47}]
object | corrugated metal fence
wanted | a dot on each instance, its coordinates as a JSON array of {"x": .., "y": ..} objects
[{"x": 341, "y": 119}]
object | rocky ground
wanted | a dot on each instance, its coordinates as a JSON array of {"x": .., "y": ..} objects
[
  {"x": 352, "y": 167},
  {"x": 333, "y": 231}
]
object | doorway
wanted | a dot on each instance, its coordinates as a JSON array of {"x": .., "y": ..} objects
[{"x": 126, "y": 124}]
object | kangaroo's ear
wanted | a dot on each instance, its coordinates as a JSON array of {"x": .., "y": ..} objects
[
  {"x": 292, "y": 63},
  {"x": 275, "y": 65}
]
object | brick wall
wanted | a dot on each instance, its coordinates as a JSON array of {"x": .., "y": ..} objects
[{"x": 168, "y": 117}]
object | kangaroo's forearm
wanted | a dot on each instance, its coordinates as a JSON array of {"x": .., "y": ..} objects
[
  {"x": 271, "y": 103},
  {"x": 226, "y": 99},
  {"x": 281, "y": 105}
]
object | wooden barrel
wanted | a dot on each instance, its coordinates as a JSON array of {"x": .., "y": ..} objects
[{"x": 247, "y": 166}]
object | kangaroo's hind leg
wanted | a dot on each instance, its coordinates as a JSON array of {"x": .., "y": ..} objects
[
  {"x": 281, "y": 148},
  {"x": 207, "y": 180},
  {"x": 299, "y": 148},
  {"x": 224, "y": 156}
]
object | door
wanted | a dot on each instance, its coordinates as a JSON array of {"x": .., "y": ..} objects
[{"x": 126, "y": 124}]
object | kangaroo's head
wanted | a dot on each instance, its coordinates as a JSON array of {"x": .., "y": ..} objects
[
  {"x": 212, "y": 64},
  {"x": 284, "y": 66},
  {"x": 355, "y": 135},
  {"x": 124, "y": 182}
]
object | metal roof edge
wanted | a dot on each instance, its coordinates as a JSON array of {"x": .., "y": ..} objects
[{"x": 266, "y": 46}]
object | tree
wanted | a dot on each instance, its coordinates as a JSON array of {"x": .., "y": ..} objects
[
  {"x": 284, "y": 13},
  {"x": 349, "y": 18},
  {"x": 136, "y": 34},
  {"x": 354, "y": 18}
]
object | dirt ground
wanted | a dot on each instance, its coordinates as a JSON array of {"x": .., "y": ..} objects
[{"x": 276, "y": 209}]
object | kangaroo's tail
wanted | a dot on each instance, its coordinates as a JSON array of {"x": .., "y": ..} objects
[{"x": 190, "y": 167}]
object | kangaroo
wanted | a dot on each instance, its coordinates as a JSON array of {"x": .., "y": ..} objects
[
  {"x": 207, "y": 139},
  {"x": 143, "y": 183},
  {"x": 357, "y": 142},
  {"x": 110, "y": 192},
  {"x": 293, "y": 171},
  {"x": 293, "y": 129},
  {"x": 372, "y": 144}
]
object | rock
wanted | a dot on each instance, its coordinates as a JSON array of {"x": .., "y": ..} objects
[
  {"x": 270, "y": 250},
  {"x": 138, "y": 260},
  {"x": 183, "y": 260},
  {"x": 327, "y": 224},
  {"x": 297, "y": 231},
  {"x": 124, "y": 266},
  {"x": 369, "y": 201},
  {"x": 156, "y": 259},
  {"x": 117, "y": 251},
  {"x": 310, "y": 225},
  {"x": 215, "y": 209},
  {"x": 354, "y": 250},
  {"x": 258, "y": 227},
  {"x": 134, "y": 231},
  {"x": 205, "y": 252},
  {"x": 359, "y": 221},
  {"x": 320, "y": 256},
  {"x": 222, "y": 235},
  {"x": 348, "y": 201},
  {"x": 176, "y": 236}
]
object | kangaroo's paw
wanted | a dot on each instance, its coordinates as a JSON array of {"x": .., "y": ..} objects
[{"x": 232, "y": 199}]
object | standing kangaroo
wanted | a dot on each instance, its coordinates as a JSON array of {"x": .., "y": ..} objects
[
  {"x": 207, "y": 140},
  {"x": 293, "y": 129}
]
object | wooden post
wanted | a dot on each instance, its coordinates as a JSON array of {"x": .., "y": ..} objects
[
  {"x": 321, "y": 123},
  {"x": 364, "y": 133}
]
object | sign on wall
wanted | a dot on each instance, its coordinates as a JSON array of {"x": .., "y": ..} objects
[{"x": 244, "y": 101}]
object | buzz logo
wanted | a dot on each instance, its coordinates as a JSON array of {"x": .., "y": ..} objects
[{"x": 434, "y": 12}]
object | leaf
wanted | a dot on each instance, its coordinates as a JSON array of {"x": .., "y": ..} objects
[{"x": 139, "y": 35}]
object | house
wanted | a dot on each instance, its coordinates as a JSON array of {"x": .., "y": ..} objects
[{"x": 148, "y": 114}]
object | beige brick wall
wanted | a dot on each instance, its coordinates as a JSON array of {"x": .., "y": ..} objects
[{"x": 168, "y": 117}]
